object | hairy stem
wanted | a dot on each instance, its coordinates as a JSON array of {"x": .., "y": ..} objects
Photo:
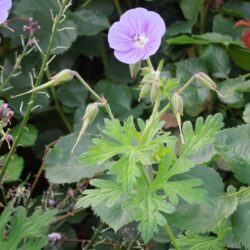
[
  {"x": 99, "y": 98},
  {"x": 57, "y": 22},
  {"x": 186, "y": 85},
  {"x": 94, "y": 237},
  {"x": 17, "y": 64},
  {"x": 171, "y": 237},
  {"x": 118, "y": 7}
]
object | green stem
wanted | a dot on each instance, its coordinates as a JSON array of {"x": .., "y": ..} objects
[
  {"x": 118, "y": 7},
  {"x": 171, "y": 237},
  {"x": 55, "y": 27},
  {"x": 94, "y": 237},
  {"x": 17, "y": 63},
  {"x": 180, "y": 91},
  {"x": 86, "y": 3},
  {"x": 99, "y": 98},
  {"x": 150, "y": 122},
  {"x": 246, "y": 75}
]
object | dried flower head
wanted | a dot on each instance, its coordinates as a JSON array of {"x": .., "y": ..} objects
[
  {"x": 5, "y": 5},
  {"x": 32, "y": 26},
  {"x": 137, "y": 35}
]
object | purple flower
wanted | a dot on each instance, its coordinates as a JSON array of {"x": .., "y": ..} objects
[
  {"x": 137, "y": 35},
  {"x": 55, "y": 236},
  {"x": 5, "y": 5}
]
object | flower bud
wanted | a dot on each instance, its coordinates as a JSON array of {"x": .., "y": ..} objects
[
  {"x": 177, "y": 104},
  {"x": 91, "y": 112},
  {"x": 63, "y": 76},
  {"x": 155, "y": 92},
  {"x": 204, "y": 79},
  {"x": 89, "y": 116},
  {"x": 145, "y": 90},
  {"x": 134, "y": 69}
]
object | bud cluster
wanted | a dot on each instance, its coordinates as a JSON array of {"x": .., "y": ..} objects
[
  {"x": 5, "y": 117},
  {"x": 5, "y": 114},
  {"x": 32, "y": 26},
  {"x": 150, "y": 84}
]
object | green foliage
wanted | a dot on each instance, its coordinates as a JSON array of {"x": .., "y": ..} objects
[
  {"x": 202, "y": 135},
  {"x": 240, "y": 221},
  {"x": 14, "y": 171},
  {"x": 217, "y": 61},
  {"x": 203, "y": 217},
  {"x": 233, "y": 145},
  {"x": 233, "y": 90},
  {"x": 137, "y": 194},
  {"x": 195, "y": 95},
  {"x": 28, "y": 137},
  {"x": 64, "y": 166},
  {"x": 21, "y": 232}
]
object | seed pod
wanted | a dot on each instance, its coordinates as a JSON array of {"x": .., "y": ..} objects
[
  {"x": 89, "y": 116},
  {"x": 177, "y": 104},
  {"x": 145, "y": 90},
  {"x": 155, "y": 92},
  {"x": 205, "y": 80}
]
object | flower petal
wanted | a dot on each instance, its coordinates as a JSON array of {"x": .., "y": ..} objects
[
  {"x": 130, "y": 57},
  {"x": 3, "y": 16},
  {"x": 119, "y": 37},
  {"x": 135, "y": 19},
  {"x": 151, "y": 48},
  {"x": 5, "y": 5},
  {"x": 155, "y": 25}
]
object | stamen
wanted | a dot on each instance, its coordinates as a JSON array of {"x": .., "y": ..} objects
[{"x": 140, "y": 40}]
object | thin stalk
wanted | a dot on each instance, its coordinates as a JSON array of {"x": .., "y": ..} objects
[
  {"x": 180, "y": 91},
  {"x": 171, "y": 237},
  {"x": 202, "y": 17},
  {"x": 17, "y": 63},
  {"x": 246, "y": 75},
  {"x": 99, "y": 98},
  {"x": 94, "y": 237},
  {"x": 55, "y": 27},
  {"x": 118, "y": 7},
  {"x": 86, "y": 3}
]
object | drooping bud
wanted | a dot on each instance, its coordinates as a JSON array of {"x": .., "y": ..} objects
[
  {"x": 89, "y": 116},
  {"x": 134, "y": 69},
  {"x": 205, "y": 80},
  {"x": 63, "y": 76},
  {"x": 177, "y": 105}
]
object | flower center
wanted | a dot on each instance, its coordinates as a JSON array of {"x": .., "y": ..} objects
[{"x": 140, "y": 40}]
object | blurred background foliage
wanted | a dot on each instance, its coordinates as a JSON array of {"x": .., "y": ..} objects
[{"x": 200, "y": 37}]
